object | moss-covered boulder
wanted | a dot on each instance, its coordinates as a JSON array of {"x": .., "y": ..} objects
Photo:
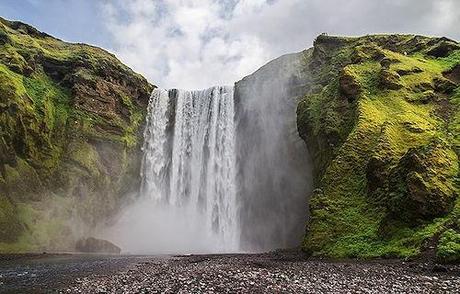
[
  {"x": 386, "y": 161},
  {"x": 422, "y": 186},
  {"x": 70, "y": 133}
]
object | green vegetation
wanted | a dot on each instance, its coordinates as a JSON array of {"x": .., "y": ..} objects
[
  {"x": 70, "y": 117},
  {"x": 381, "y": 122},
  {"x": 449, "y": 246}
]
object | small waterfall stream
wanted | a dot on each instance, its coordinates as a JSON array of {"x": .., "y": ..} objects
[{"x": 189, "y": 160}]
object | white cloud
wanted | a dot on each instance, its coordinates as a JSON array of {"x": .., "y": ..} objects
[{"x": 199, "y": 43}]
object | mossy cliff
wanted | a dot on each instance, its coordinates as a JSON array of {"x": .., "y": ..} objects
[
  {"x": 382, "y": 123},
  {"x": 70, "y": 120}
]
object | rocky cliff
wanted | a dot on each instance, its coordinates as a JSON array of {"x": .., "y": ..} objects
[
  {"x": 70, "y": 129},
  {"x": 382, "y": 123}
]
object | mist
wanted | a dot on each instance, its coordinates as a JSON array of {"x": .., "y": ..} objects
[
  {"x": 146, "y": 227},
  {"x": 224, "y": 169},
  {"x": 274, "y": 172}
]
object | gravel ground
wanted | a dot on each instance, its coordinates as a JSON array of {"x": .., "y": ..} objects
[
  {"x": 40, "y": 273},
  {"x": 270, "y": 273}
]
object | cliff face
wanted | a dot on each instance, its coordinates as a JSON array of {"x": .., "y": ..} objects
[
  {"x": 274, "y": 171},
  {"x": 70, "y": 120},
  {"x": 381, "y": 120}
]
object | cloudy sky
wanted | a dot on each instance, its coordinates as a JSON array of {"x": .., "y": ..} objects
[{"x": 194, "y": 44}]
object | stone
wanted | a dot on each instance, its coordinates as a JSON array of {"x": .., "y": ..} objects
[
  {"x": 444, "y": 86},
  {"x": 349, "y": 86},
  {"x": 453, "y": 74},
  {"x": 390, "y": 80},
  {"x": 418, "y": 184},
  {"x": 443, "y": 48},
  {"x": 93, "y": 245}
]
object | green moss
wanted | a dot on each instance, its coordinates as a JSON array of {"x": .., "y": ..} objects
[
  {"x": 50, "y": 100},
  {"x": 350, "y": 216},
  {"x": 60, "y": 103},
  {"x": 10, "y": 223},
  {"x": 86, "y": 157}
]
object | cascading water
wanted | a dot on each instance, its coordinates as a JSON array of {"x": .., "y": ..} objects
[
  {"x": 189, "y": 160},
  {"x": 223, "y": 169}
]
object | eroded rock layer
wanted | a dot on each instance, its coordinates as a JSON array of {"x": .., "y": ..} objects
[{"x": 69, "y": 137}]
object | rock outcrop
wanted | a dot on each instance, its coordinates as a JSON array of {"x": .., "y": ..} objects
[
  {"x": 70, "y": 127},
  {"x": 93, "y": 245},
  {"x": 387, "y": 158}
]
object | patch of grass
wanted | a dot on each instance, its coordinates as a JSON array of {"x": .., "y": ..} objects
[{"x": 449, "y": 246}]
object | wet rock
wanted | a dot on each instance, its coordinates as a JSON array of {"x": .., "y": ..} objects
[
  {"x": 438, "y": 268},
  {"x": 93, "y": 245},
  {"x": 242, "y": 274}
]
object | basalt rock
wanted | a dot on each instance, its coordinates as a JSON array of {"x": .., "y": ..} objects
[
  {"x": 444, "y": 86},
  {"x": 453, "y": 74},
  {"x": 390, "y": 182},
  {"x": 93, "y": 245}
]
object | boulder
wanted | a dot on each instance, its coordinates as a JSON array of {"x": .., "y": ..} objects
[
  {"x": 390, "y": 80},
  {"x": 418, "y": 186},
  {"x": 454, "y": 74},
  {"x": 93, "y": 245},
  {"x": 443, "y": 48},
  {"x": 444, "y": 86},
  {"x": 349, "y": 86}
]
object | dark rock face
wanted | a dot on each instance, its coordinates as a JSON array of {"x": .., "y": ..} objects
[
  {"x": 93, "y": 245},
  {"x": 348, "y": 85},
  {"x": 443, "y": 48},
  {"x": 376, "y": 174},
  {"x": 444, "y": 86},
  {"x": 453, "y": 74},
  {"x": 273, "y": 176}
]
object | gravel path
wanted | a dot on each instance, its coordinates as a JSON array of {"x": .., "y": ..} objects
[{"x": 270, "y": 273}]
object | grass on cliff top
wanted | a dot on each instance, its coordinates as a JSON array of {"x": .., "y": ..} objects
[{"x": 344, "y": 222}]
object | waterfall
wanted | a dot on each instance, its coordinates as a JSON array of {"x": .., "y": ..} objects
[
  {"x": 223, "y": 169},
  {"x": 189, "y": 161}
]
